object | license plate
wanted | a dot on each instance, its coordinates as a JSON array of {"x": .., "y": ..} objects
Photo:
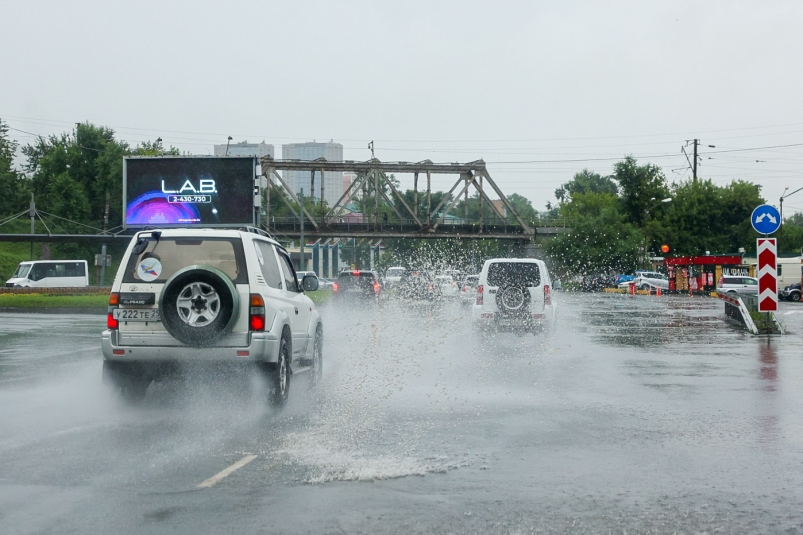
[{"x": 136, "y": 314}]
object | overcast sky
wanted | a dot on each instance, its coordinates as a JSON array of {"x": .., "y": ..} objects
[{"x": 539, "y": 90}]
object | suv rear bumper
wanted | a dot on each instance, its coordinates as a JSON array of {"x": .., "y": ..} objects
[
  {"x": 261, "y": 347},
  {"x": 496, "y": 320}
]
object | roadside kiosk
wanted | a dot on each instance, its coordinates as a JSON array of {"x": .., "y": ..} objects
[{"x": 701, "y": 273}]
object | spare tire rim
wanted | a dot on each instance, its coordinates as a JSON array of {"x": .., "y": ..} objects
[
  {"x": 198, "y": 304},
  {"x": 511, "y": 298}
]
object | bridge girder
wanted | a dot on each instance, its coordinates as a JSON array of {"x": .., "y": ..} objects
[{"x": 471, "y": 174}]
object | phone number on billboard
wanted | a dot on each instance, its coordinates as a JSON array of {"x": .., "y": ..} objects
[{"x": 189, "y": 198}]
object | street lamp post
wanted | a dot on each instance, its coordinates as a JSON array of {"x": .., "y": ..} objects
[{"x": 783, "y": 196}]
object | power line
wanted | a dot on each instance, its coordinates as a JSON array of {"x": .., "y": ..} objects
[{"x": 217, "y": 134}]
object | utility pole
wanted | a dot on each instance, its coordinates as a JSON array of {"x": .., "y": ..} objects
[
  {"x": 32, "y": 213},
  {"x": 102, "y": 281},
  {"x": 695, "y": 157}
]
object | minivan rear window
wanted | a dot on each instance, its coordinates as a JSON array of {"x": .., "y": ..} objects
[{"x": 514, "y": 274}]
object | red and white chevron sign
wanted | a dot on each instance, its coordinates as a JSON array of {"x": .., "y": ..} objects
[{"x": 767, "y": 275}]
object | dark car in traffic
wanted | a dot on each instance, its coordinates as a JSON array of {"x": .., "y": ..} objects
[
  {"x": 791, "y": 292},
  {"x": 358, "y": 284}
]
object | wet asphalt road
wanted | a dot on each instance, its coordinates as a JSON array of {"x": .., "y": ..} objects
[{"x": 635, "y": 415}]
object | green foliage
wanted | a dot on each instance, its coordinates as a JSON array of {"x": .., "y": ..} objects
[
  {"x": 601, "y": 239},
  {"x": 705, "y": 217},
  {"x": 523, "y": 207},
  {"x": 13, "y": 185},
  {"x": 154, "y": 148},
  {"x": 370, "y": 204},
  {"x": 75, "y": 176},
  {"x": 640, "y": 187},
  {"x": 619, "y": 233},
  {"x": 421, "y": 211},
  {"x": 586, "y": 182}
]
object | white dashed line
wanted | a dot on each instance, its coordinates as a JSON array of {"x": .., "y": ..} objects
[{"x": 217, "y": 478}]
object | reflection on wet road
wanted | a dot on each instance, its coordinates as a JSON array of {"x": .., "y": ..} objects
[{"x": 633, "y": 415}]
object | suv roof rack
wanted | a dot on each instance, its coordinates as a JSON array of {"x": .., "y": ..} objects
[{"x": 256, "y": 230}]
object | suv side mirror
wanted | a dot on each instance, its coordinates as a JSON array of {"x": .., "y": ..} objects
[{"x": 309, "y": 283}]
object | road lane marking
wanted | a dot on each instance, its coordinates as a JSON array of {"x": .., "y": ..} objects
[{"x": 217, "y": 478}]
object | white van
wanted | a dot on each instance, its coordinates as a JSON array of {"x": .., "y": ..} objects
[
  {"x": 50, "y": 274},
  {"x": 393, "y": 275},
  {"x": 514, "y": 294},
  {"x": 790, "y": 269}
]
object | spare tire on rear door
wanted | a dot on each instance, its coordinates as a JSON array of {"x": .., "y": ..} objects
[
  {"x": 513, "y": 299},
  {"x": 199, "y": 305}
]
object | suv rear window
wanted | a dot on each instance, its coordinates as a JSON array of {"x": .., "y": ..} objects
[
  {"x": 226, "y": 254},
  {"x": 514, "y": 274}
]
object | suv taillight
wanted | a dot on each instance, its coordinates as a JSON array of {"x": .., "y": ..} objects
[
  {"x": 377, "y": 287},
  {"x": 256, "y": 316},
  {"x": 547, "y": 295},
  {"x": 114, "y": 302},
  {"x": 334, "y": 287},
  {"x": 479, "y": 294}
]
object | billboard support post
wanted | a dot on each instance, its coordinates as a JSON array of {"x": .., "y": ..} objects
[{"x": 102, "y": 264}]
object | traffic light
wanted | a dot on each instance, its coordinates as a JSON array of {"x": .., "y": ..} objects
[{"x": 664, "y": 248}]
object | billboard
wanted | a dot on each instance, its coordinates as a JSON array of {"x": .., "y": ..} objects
[{"x": 189, "y": 190}]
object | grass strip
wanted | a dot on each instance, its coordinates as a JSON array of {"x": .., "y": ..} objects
[
  {"x": 320, "y": 296},
  {"x": 52, "y": 301}
]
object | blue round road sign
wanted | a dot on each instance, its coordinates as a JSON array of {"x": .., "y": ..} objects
[{"x": 766, "y": 219}]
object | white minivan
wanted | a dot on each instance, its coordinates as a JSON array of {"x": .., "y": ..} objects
[
  {"x": 515, "y": 295},
  {"x": 393, "y": 275},
  {"x": 50, "y": 274}
]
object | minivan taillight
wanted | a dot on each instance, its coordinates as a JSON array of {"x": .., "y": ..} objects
[
  {"x": 479, "y": 294},
  {"x": 547, "y": 295},
  {"x": 256, "y": 316},
  {"x": 114, "y": 301}
]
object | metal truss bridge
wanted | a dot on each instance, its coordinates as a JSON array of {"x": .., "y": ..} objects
[
  {"x": 497, "y": 220},
  {"x": 375, "y": 189}
]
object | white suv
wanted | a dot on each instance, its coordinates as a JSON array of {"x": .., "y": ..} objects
[
  {"x": 513, "y": 294},
  {"x": 738, "y": 285},
  {"x": 187, "y": 296},
  {"x": 647, "y": 280}
]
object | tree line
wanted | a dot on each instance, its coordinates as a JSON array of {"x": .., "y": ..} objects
[
  {"x": 620, "y": 220},
  {"x": 616, "y": 221}
]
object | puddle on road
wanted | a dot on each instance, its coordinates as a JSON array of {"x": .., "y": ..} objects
[{"x": 652, "y": 322}]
